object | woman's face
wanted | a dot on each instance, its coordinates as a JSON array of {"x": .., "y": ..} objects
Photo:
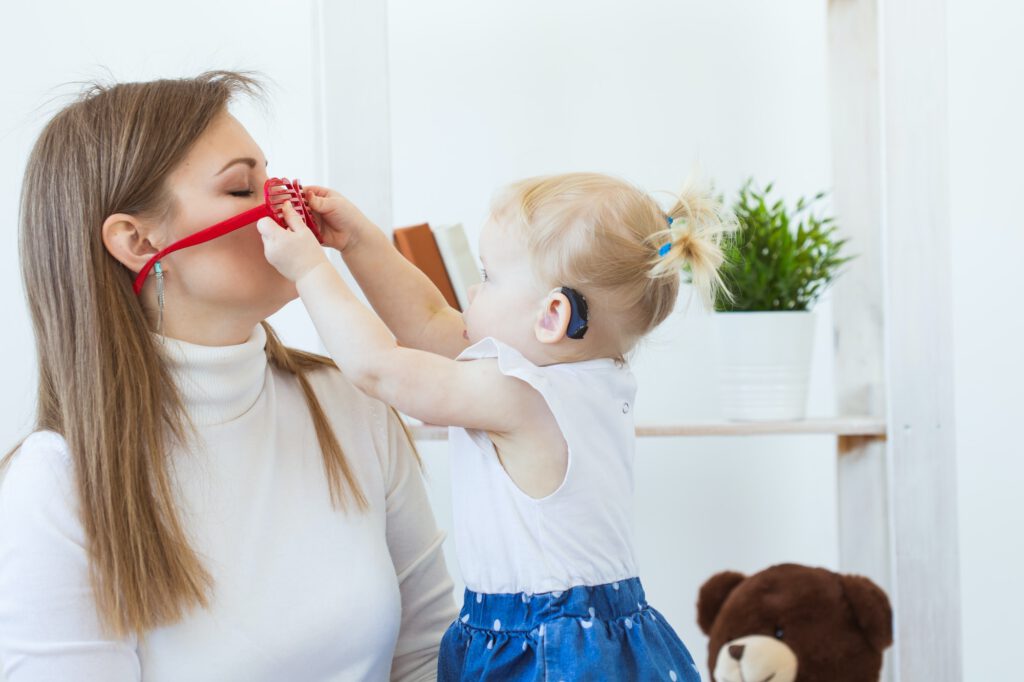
[{"x": 226, "y": 280}]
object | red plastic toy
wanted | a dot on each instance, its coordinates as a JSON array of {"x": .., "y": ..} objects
[{"x": 276, "y": 192}]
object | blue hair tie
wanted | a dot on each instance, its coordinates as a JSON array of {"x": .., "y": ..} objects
[{"x": 665, "y": 248}]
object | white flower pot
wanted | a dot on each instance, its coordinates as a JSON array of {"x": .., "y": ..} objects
[{"x": 765, "y": 364}]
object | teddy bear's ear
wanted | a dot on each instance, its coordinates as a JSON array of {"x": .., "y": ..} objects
[
  {"x": 871, "y": 609},
  {"x": 713, "y": 594}
]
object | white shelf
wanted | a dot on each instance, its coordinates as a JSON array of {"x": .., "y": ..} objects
[{"x": 835, "y": 426}]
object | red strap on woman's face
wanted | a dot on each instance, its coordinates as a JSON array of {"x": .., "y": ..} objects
[{"x": 276, "y": 192}]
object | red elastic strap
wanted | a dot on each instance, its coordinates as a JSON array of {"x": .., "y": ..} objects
[{"x": 212, "y": 232}]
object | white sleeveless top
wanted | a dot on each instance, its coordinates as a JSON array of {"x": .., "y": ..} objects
[{"x": 581, "y": 534}]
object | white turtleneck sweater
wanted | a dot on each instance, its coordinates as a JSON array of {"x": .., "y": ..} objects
[{"x": 302, "y": 590}]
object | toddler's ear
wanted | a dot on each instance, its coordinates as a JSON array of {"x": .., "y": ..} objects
[{"x": 553, "y": 318}]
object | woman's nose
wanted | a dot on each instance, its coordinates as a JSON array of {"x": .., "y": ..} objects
[{"x": 471, "y": 292}]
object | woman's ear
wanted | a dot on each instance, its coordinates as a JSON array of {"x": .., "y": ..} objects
[
  {"x": 553, "y": 319},
  {"x": 128, "y": 240}
]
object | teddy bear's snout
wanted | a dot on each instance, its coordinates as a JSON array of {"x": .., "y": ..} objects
[{"x": 756, "y": 658}]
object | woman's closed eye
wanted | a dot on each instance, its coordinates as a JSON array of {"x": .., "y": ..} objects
[
  {"x": 483, "y": 275},
  {"x": 242, "y": 193}
]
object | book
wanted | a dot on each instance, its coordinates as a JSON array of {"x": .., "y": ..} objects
[
  {"x": 459, "y": 260},
  {"x": 419, "y": 247}
]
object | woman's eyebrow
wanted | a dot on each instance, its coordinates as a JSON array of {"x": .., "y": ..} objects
[{"x": 247, "y": 160}]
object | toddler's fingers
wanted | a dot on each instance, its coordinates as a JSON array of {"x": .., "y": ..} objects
[
  {"x": 265, "y": 226},
  {"x": 323, "y": 206},
  {"x": 292, "y": 218},
  {"x": 322, "y": 200},
  {"x": 318, "y": 191},
  {"x": 316, "y": 202}
]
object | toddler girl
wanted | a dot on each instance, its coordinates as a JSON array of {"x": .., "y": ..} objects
[{"x": 532, "y": 381}]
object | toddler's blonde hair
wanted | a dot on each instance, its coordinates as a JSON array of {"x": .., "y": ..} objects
[{"x": 612, "y": 242}]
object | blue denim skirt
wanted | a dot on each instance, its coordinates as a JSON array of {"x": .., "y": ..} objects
[{"x": 603, "y": 632}]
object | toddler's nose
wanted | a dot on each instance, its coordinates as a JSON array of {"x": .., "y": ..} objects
[{"x": 471, "y": 292}]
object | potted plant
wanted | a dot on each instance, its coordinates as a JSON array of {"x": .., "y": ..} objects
[{"x": 778, "y": 263}]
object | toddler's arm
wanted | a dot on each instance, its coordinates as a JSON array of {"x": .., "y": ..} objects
[
  {"x": 424, "y": 385},
  {"x": 405, "y": 298}
]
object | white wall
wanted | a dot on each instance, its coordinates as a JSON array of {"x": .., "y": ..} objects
[
  {"x": 56, "y": 43},
  {"x": 986, "y": 107},
  {"x": 484, "y": 93}
]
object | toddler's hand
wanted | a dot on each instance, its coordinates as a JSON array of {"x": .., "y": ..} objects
[
  {"x": 293, "y": 251},
  {"x": 341, "y": 223}
]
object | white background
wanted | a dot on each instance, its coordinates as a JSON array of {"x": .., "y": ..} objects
[{"x": 482, "y": 93}]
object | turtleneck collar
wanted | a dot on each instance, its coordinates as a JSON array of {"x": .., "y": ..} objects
[{"x": 218, "y": 383}]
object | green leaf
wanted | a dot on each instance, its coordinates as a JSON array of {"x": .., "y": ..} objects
[{"x": 776, "y": 261}]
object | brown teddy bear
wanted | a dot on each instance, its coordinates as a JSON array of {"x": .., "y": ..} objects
[{"x": 793, "y": 623}]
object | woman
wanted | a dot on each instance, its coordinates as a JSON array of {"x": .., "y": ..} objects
[{"x": 198, "y": 502}]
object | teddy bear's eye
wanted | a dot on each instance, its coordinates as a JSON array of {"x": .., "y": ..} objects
[{"x": 778, "y": 633}]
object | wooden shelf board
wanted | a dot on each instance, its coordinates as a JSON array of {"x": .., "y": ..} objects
[{"x": 835, "y": 426}]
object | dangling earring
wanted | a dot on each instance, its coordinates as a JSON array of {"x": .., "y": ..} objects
[{"x": 159, "y": 272}]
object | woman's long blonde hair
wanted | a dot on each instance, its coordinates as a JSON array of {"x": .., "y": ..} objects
[
  {"x": 103, "y": 383},
  {"x": 608, "y": 238}
]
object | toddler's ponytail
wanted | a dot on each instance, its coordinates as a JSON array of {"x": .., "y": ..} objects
[{"x": 695, "y": 227}]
